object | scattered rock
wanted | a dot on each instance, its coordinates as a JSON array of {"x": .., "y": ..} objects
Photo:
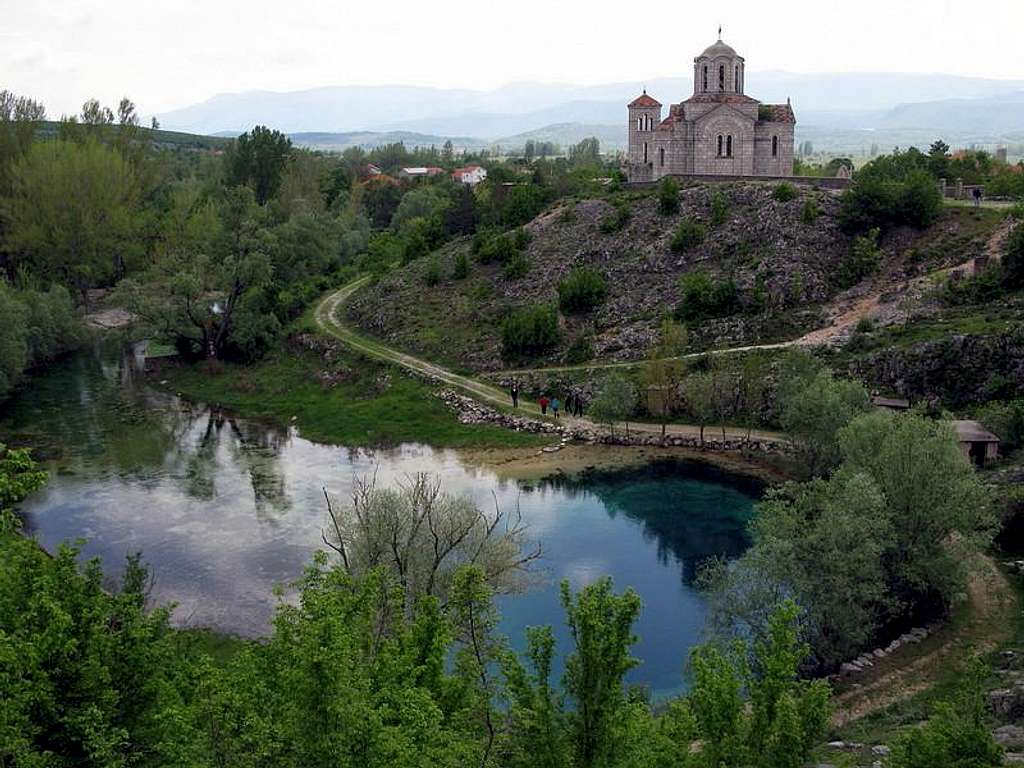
[
  {"x": 1008, "y": 703},
  {"x": 1009, "y": 736},
  {"x": 880, "y": 750}
]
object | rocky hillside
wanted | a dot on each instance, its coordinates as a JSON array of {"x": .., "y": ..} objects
[{"x": 784, "y": 258}]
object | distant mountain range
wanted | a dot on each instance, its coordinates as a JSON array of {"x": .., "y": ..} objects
[{"x": 890, "y": 105}]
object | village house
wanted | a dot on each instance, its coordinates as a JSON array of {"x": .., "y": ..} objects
[
  {"x": 419, "y": 173},
  {"x": 718, "y": 131},
  {"x": 471, "y": 175},
  {"x": 979, "y": 445}
]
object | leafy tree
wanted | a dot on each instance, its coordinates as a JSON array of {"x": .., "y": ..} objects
[
  {"x": 587, "y": 152},
  {"x": 74, "y": 214},
  {"x": 601, "y": 625},
  {"x": 257, "y": 159},
  {"x": 663, "y": 372},
  {"x": 460, "y": 270},
  {"x": 668, "y": 196},
  {"x": 427, "y": 201},
  {"x": 524, "y": 203},
  {"x": 582, "y": 290},
  {"x": 529, "y": 330},
  {"x": 688, "y": 235},
  {"x": 19, "y": 119},
  {"x": 814, "y": 411},
  {"x": 462, "y": 216},
  {"x": 891, "y": 190},
  {"x": 615, "y": 402},
  {"x": 701, "y": 399},
  {"x": 537, "y": 721}
]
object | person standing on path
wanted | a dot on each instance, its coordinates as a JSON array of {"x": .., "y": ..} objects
[
  {"x": 543, "y": 403},
  {"x": 514, "y": 391},
  {"x": 554, "y": 407}
]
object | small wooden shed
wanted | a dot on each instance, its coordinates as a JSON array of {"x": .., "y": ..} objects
[{"x": 977, "y": 443}]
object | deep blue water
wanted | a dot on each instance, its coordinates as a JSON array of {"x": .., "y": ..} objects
[{"x": 224, "y": 508}]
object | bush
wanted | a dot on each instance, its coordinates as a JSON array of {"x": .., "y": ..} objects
[
  {"x": 529, "y": 330},
  {"x": 1006, "y": 420},
  {"x": 689, "y": 234},
  {"x": 496, "y": 247},
  {"x": 581, "y": 350},
  {"x": 704, "y": 297},
  {"x": 719, "y": 209},
  {"x": 668, "y": 196},
  {"x": 433, "y": 274},
  {"x": 980, "y": 289},
  {"x": 864, "y": 259},
  {"x": 810, "y": 213},
  {"x": 518, "y": 266},
  {"x": 582, "y": 290},
  {"x": 460, "y": 270},
  {"x": 879, "y": 201},
  {"x": 784, "y": 192},
  {"x": 1013, "y": 258},
  {"x": 615, "y": 220}
]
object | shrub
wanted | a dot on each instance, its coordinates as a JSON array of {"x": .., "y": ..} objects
[
  {"x": 517, "y": 266},
  {"x": 784, "y": 192},
  {"x": 529, "y": 330},
  {"x": 582, "y": 290},
  {"x": 460, "y": 270},
  {"x": 433, "y": 274},
  {"x": 980, "y": 289},
  {"x": 719, "y": 209},
  {"x": 704, "y": 297},
  {"x": 865, "y": 325},
  {"x": 615, "y": 220},
  {"x": 1013, "y": 258},
  {"x": 810, "y": 213},
  {"x": 496, "y": 247},
  {"x": 668, "y": 196},
  {"x": 864, "y": 259},
  {"x": 689, "y": 234},
  {"x": 878, "y": 200},
  {"x": 1017, "y": 212},
  {"x": 521, "y": 238},
  {"x": 581, "y": 350}
]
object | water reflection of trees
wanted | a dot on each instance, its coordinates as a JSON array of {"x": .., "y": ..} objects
[
  {"x": 691, "y": 511},
  {"x": 94, "y": 414}
]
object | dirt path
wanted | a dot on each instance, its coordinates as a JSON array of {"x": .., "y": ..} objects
[
  {"x": 326, "y": 317},
  {"x": 992, "y": 604}
]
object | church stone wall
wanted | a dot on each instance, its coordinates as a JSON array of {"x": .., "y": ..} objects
[
  {"x": 724, "y": 122},
  {"x": 765, "y": 164}
]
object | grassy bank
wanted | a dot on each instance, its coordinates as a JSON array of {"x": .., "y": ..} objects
[{"x": 349, "y": 401}]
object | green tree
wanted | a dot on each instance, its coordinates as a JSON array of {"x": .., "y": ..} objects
[
  {"x": 74, "y": 214},
  {"x": 529, "y": 331},
  {"x": 536, "y": 720},
  {"x": 601, "y": 625},
  {"x": 615, "y": 402},
  {"x": 1013, "y": 258},
  {"x": 699, "y": 392},
  {"x": 257, "y": 159},
  {"x": 663, "y": 372},
  {"x": 813, "y": 412}
]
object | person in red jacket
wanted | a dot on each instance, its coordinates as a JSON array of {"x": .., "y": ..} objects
[{"x": 543, "y": 403}]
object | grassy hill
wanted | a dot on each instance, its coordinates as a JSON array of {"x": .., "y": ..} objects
[
  {"x": 160, "y": 137},
  {"x": 785, "y": 266}
]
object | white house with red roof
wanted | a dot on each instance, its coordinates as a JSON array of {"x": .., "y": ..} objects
[
  {"x": 419, "y": 172},
  {"x": 718, "y": 131},
  {"x": 470, "y": 175}
]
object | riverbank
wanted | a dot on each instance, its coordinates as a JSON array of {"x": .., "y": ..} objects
[{"x": 332, "y": 396}]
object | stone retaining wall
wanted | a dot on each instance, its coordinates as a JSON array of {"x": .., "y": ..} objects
[{"x": 824, "y": 182}]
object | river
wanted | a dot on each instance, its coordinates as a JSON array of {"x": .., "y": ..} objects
[{"x": 225, "y": 508}]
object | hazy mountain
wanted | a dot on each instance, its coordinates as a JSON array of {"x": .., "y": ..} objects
[
  {"x": 521, "y": 107},
  {"x": 338, "y": 142},
  {"x": 1000, "y": 115}
]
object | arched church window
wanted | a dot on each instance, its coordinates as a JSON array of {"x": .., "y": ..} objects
[
  {"x": 721, "y": 78},
  {"x": 736, "y": 82},
  {"x": 705, "y": 78},
  {"x": 645, "y": 151},
  {"x": 661, "y": 156},
  {"x": 728, "y": 146},
  {"x": 720, "y": 140},
  {"x": 775, "y": 146}
]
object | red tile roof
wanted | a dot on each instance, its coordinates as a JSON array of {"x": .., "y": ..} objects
[
  {"x": 644, "y": 100},
  {"x": 720, "y": 98},
  {"x": 777, "y": 113}
]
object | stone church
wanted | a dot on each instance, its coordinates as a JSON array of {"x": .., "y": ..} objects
[{"x": 718, "y": 131}]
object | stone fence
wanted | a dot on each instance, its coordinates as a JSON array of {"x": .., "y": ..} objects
[{"x": 823, "y": 182}]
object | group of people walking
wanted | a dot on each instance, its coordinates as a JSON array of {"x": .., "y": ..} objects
[{"x": 573, "y": 404}]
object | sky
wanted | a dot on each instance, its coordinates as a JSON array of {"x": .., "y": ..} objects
[{"x": 165, "y": 55}]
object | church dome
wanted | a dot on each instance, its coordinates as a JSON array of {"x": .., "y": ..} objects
[{"x": 718, "y": 49}]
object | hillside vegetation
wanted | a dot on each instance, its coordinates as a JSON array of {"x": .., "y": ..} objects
[{"x": 744, "y": 263}]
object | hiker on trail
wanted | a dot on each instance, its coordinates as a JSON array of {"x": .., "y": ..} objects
[
  {"x": 554, "y": 407},
  {"x": 579, "y": 404},
  {"x": 514, "y": 391},
  {"x": 543, "y": 403},
  {"x": 570, "y": 402}
]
